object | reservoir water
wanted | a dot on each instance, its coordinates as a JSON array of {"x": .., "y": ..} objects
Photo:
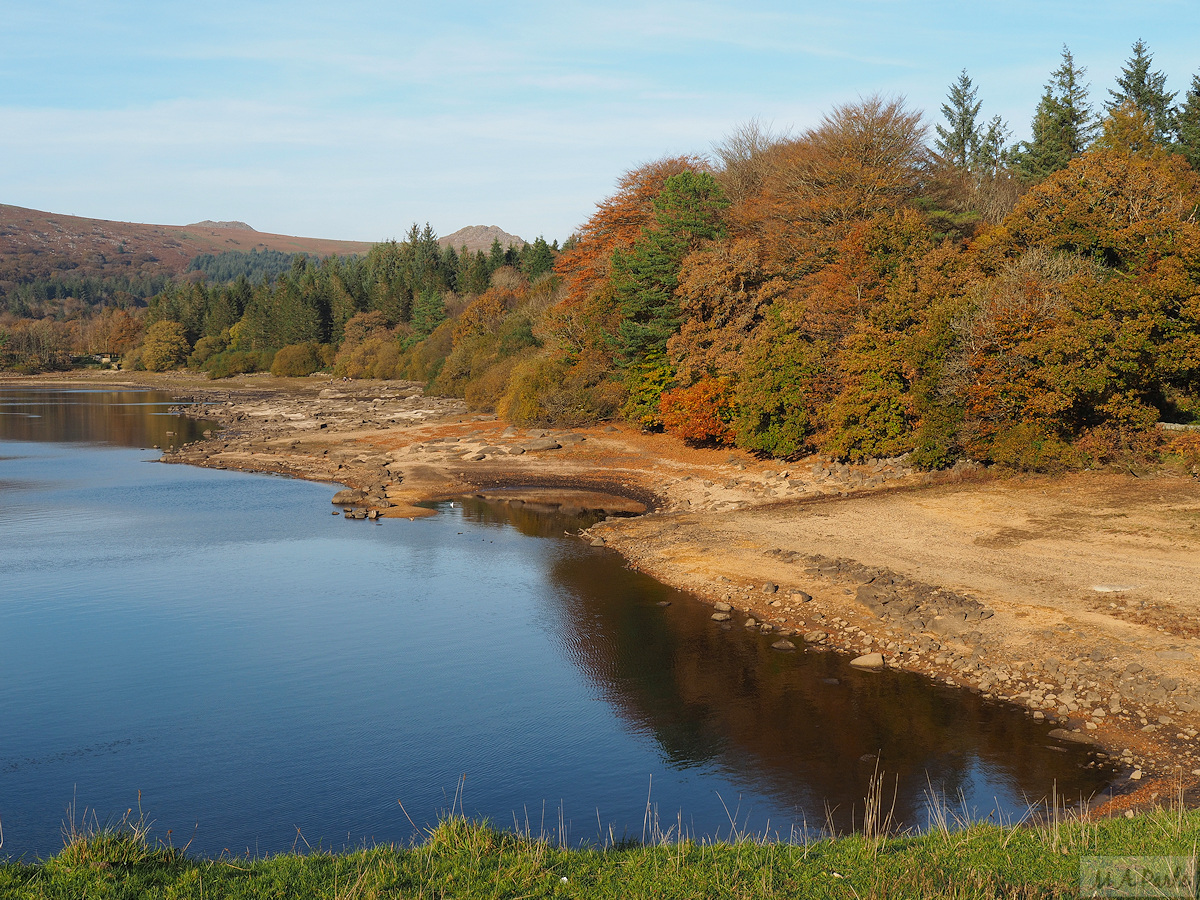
[{"x": 258, "y": 674}]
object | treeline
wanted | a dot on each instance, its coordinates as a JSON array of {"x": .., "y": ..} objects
[
  {"x": 254, "y": 266},
  {"x": 323, "y": 312},
  {"x": 68, "y": 296},
  {"x": 858, "y": 292},
  {"x": 868, "y": 288}
]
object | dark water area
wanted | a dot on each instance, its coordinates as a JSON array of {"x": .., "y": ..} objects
[
  {"x": 258, "y": 671},
  {"x": 124, "y": 418}
]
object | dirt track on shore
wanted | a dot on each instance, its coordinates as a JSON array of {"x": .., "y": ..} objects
[{"x": 1076, "y": 597}]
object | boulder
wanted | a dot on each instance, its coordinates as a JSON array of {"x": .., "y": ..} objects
[
  {"x": 543, "y": 444},
  {"x": 1073, "y": 737},
  {"x": 721, "y": 617},
  {"x": 868, "y": 661},
  {"x": 349, "y": 495},
  {"x": 814, "y": 637}
]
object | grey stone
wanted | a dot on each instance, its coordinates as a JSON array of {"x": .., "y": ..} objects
[
  {"x": 814, "y": 637},
  {"x": 722, "y": 607},
  {"x": 721, "y": 617},
  {"x": 1074, "y": 737},
  {"x": 349, "y": 495},
  {"x": 784, "y": 646}
]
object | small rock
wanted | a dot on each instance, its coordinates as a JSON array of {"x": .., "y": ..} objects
[
  {"x": 801, "y": 597},
  {"x": 784, "y": 646},
  {"x": 721, "y": 617},
  {"x": 543, "y": 444},
  {"x": 722, "y": 607},
  {"x": 769, "y": 588},
  {"x": 814, "y": 637}
]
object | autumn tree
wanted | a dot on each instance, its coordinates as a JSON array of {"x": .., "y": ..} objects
[
  {"x": 165, "y": 346},
  {"x": 862, "y": 159}
]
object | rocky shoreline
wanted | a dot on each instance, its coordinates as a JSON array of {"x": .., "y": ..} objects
[{"x": 1113, "y": 668}]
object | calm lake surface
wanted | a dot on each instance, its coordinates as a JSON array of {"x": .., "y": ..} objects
[{"x": 262, "y": 674}]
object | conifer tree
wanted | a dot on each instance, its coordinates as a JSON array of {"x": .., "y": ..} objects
[
  {"x": 687, "y": 212},
  {"x": 959, "y": 143},
  {"x": 537, "y": 258},
  {"x": 1188, "y": 122},
  {"x": 1147, "y": 91},
  {"x": 1063, "y": 124},
  {"x": 993, "y": 152}
]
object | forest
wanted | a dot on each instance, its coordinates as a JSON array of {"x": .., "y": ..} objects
[{"x": 869, "y": 288}]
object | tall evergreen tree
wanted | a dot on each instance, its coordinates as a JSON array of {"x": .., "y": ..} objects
[
  {"x": 687, "y": 212},
  {"x": 537, "y": 258},
  {"x": 993, "y": 152},
  {"x": 1063, "y": 124},
  {"x": 495, "y": 255},
  {"x": 958, "y": 143},
  {"x": 1188, "y": 122},
  {"x": 1147, "y": 91}
]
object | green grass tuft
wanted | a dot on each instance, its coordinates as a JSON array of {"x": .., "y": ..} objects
[{"x": 462, "y": 858}]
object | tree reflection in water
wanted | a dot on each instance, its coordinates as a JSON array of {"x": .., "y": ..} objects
[{"x": 803, "y": 727}]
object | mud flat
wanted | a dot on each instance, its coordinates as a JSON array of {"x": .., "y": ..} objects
[{"x": 1077, "y": 598}]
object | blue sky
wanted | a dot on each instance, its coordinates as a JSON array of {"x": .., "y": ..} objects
[{"x": 353, "y": 120}]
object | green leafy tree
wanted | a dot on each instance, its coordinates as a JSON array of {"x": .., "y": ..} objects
[
  {"x": 1063, "y": 124},
  {"x": 958, "y": 141},
  {"x": 1147, "y": 91}
]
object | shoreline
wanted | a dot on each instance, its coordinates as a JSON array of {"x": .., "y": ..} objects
[{"x": 977, "y": 582}]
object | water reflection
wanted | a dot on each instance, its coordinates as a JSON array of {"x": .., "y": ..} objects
[
  {"x": 804, "y": 727},
  {"x": 122, "y": 417}
]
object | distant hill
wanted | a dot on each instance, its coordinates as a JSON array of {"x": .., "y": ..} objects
[
  {"x": 42, "y": 245},
  {"x": 480, "y": 237},
  {"x": 209, "y": 223}
]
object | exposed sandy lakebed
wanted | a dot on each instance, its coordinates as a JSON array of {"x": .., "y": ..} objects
[{"x": 1076, "y": 597}]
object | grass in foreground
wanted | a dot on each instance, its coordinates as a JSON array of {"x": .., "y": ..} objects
[{"x": 460, "y": 858}]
